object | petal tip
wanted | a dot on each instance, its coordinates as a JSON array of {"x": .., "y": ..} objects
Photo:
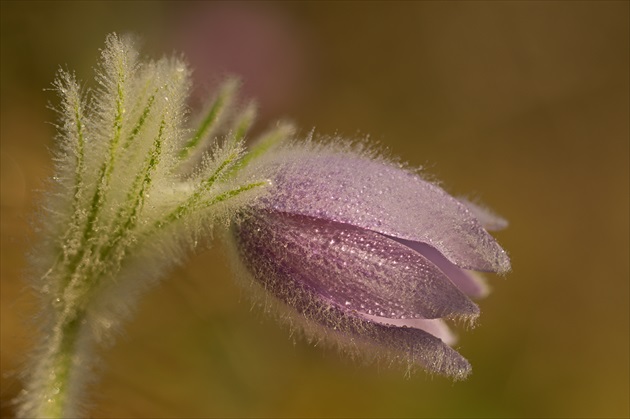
[{"x": 504, "y": 264}]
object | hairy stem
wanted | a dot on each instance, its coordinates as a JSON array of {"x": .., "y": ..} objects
[{"x": 56, "y": 381}]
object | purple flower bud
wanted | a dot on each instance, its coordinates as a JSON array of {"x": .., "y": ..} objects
[{"x": 372, "y": 255}]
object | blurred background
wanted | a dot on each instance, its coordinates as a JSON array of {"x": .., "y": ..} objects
[{"x": 523, "y": 105}]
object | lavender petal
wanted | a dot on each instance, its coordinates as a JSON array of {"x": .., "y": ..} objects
[
  {"x": 358, "y": 269},
  {"x": 435, "y": 327},
  {"x": 488, "y": 219},
  {"x": 373, "y": 195},
  {"x": 469, "y": 282},
  {"x": 345, "y": 327}
]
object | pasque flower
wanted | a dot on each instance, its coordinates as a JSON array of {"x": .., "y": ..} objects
[
  {"x": 353, "y": 248},
  {"x": 370, "y": 256}
]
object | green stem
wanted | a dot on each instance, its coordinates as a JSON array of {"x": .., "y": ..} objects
[{"x": 57, "y": 380}]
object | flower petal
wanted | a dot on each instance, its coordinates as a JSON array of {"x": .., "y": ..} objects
[
  {"x": 435, "y": 327},
  {"x": 373, "y": 195},
  {"x": 488, "y": 219},
  {"x": 358, "y": 269},
  {"x": 469, "y": 283},
  {"x": 322, "y": 318},
  {"x": 407, "y": 344}
]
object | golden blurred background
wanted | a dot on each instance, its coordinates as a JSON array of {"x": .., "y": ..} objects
[{"x": 523, "y": 105}]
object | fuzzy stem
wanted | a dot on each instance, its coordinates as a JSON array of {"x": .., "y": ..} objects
[
  {"x": 57, "y": 404},
  {"x": 57, "y": 380}
]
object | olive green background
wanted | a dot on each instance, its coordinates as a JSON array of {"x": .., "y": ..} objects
[{"x": 521, "y": 104}]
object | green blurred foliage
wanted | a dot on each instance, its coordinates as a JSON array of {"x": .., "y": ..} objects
[{"x": 521, "y": 104}]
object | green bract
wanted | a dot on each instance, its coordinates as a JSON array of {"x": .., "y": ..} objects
[{"x": 134, "y": 188}]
